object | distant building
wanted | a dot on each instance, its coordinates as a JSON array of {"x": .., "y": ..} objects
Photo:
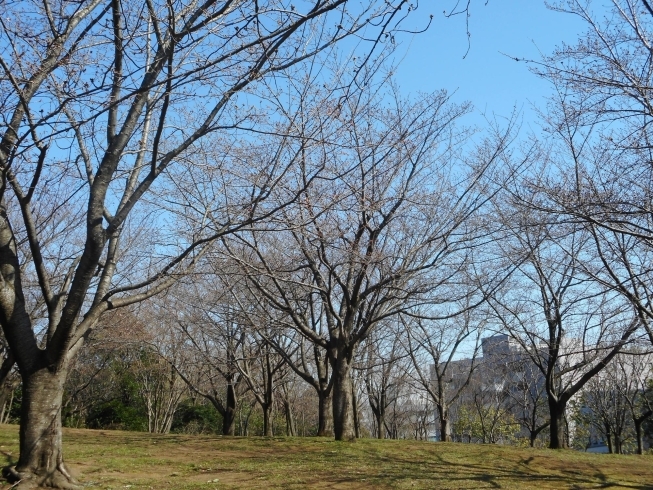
[{"x": 505, "y": 372}]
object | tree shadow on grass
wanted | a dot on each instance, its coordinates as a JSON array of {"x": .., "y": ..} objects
[{"x": 496, "y": 475}]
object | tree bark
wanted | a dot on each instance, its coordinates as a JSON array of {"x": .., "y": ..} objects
[
  {"x": 557, "y": 425},
  {"x": 536, "y": 432},
  {"x": 229, "y": 415},
  {"x": 445, "y": 425},
  {"x": 380, "y": 426},
  {"x": 41, "y": 457},
  {"x": 343, "y": 403},
  {"x": 640, "y": 437},
  {"x": 354, "y": 403},
  {"x": 291, "y": 430},
  {"x": 267, "y": 426},
  {"x": 325, "y": 415},
  {"x": 5, "y": 386},
  {"x": 608, "y": 436}
]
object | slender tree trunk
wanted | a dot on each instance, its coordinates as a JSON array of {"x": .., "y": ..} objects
[
  {"x": 536, "y": 432},
  {"x": 357, "y": 422},
  {"x": 6, "y": 387},
  {"x": 343, "y": 403},
  {"x": 325, "y": 415},
  {"x": 445, "y": 425},
  {"x": 640, "y": 437},
  {"x": 380, "y": 425},
  {"x": 267, "y": 426},
  {"x": 229, "y": 415},
  {"x": 41, "y": 457},
  {"x": 557, "y": 425},
  {"x": 290, "y": 422}
]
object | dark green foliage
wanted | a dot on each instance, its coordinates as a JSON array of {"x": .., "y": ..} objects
[
  {"x": 194, "y": 417},
  {"x": 109, "y": 394}
]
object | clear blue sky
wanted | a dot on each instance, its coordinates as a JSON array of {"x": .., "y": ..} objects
[{"x": 493, "y": 82}]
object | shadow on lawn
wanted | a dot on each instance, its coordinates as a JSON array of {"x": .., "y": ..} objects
[{"x": 505, "y": 474}]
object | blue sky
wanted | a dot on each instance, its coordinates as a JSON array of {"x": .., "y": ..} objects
[{"x": 493, "y": 82}]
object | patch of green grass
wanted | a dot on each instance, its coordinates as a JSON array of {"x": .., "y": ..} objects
[{"x": 118, "y": 460}]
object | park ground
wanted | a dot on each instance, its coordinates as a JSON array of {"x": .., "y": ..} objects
[{"x": 103, "y": 459}]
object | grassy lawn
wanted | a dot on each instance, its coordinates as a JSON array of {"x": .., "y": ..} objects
[{"x": 117, "y": 460}]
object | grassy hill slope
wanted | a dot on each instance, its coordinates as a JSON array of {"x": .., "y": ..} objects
[{"x": 116, "y": 460}]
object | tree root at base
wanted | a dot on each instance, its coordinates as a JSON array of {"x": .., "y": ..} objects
[{"x": 26, "y": 480}]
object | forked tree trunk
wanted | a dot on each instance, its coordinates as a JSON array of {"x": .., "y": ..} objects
[
  {"x": 536, "y": 432},
  {"x": 41, "y": 458},
  {"x": 343, "y": 403},
  {"x": 325, "y": 415}
]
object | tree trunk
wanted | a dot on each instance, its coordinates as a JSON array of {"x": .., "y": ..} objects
[
  {"x": 6, "y": 387},
  {"x": 267, "y": 426},
  {"x": 354, "y": 403},
  {"x": 640, "y": 437},
  {"x": 380, "y": 425},
  {"x": 343, "y": 404},
  {"x": 445, "y": 425},
  {"x": 536, "y": 432},
  {"x": 41, "y": 454},
  {"x": 229, "y": 415},
  {"x": 557, "y": 425},
  {"x": 290, "y": 420},
  {"x": 325, "y": 415}
]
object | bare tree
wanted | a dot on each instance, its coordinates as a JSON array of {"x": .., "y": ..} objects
[
  {"x": 635, "y": 374},
  {"x": 379, "y": 364},
  {"x": 208, "y": 319},
  {"x": 529, "y": 398},
  {"x": 262, "y": 368},
  {"x": 102, "y": 104},
  {"x": 568, "y": 324},
  {"x": 435, "y": 348},
  {"x": 385, "y": 226},
  {"x": 599, "y": 121},
  {"x": 616, "y": 403}
]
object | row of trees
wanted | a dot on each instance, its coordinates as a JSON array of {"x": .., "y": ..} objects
[
  {"x": 281, "y": 211},
  {"x": 130, "y": 385}
]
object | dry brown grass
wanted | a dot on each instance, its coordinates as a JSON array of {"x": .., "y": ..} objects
[{"x": 117, "y": 460}]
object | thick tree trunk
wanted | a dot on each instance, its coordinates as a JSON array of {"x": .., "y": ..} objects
[
  {"x": 229, "y": 415},
  {"x": 325, "y": 415},
  {"x": 557, "y": 425},
  {"x": 41, "y": 454},
  {"x": 343, "y": 403}
]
